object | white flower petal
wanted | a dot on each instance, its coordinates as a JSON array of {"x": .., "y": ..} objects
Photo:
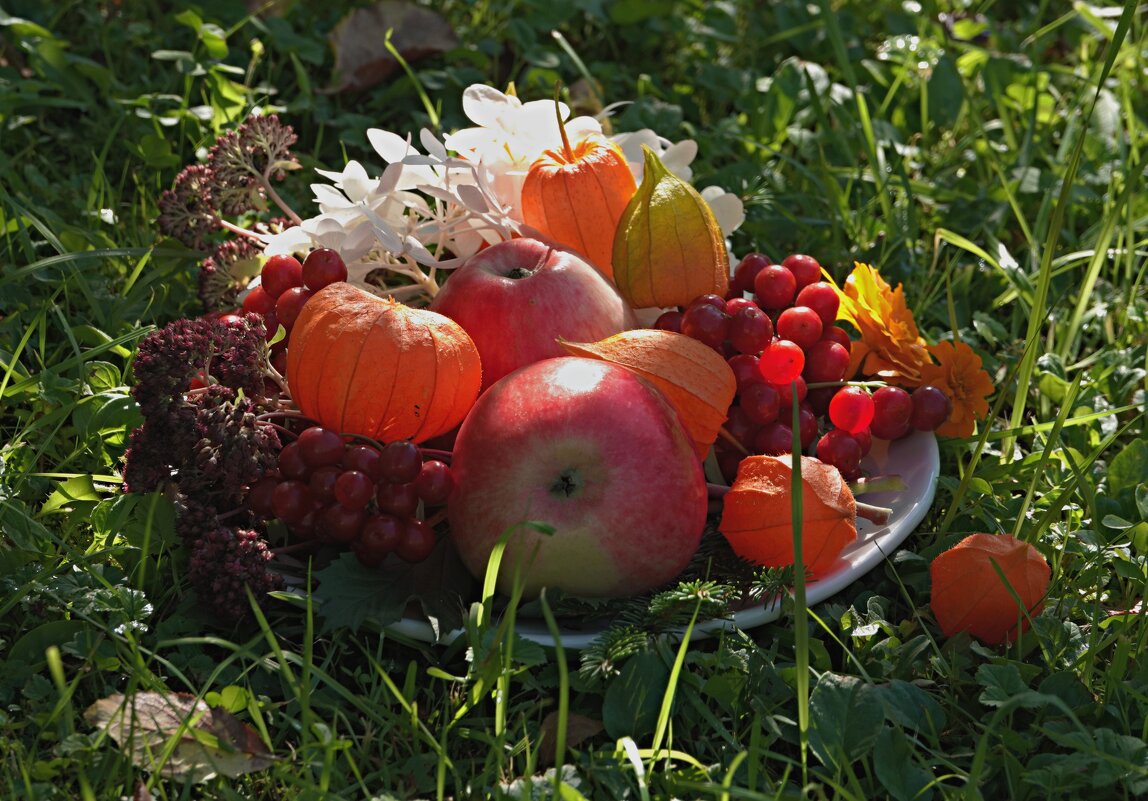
[
  {"x": 727, "y": 208},
  {"x": 390, "y": 146},
  {"x": 485, "y": 104}
]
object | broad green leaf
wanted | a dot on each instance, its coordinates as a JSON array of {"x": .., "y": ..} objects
[
  {"x": 893, "y": 761},
  {"x": 1001, "y": 682},
  {"x": 1129, "y": 467},
  {"x": 69, "y": 493},
  {"x": 845, "y": 717},
  {"x": 634, "y": 699}
]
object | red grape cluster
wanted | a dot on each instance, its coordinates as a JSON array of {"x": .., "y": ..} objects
[
  {"x": 785, "y": 348},
  {"x": 286, "y": 284},
  {"x": 354, "y": 493}
]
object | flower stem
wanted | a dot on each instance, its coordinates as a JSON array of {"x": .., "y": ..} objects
[{"x": 265, "y": 182}]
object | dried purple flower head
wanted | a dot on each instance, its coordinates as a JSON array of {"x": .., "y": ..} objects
[
  {"x": 187, "y": 210},
  {"x": 224, "y": 274},
  {"x": 247, "y": 159},
  {"x": 225, "y": 562}
]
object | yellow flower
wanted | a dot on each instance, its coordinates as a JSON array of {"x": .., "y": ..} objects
[
  {"x": 960, "y": 376},
  {"x": 890, "y": 347}
]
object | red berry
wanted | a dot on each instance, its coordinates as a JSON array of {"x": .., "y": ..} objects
[
  {"x": 401, "y": 500},
  {"x": 669, "y": 321},
  {"x": 401, "y": 462},
  {"x": 259, "y": 496},
  {"x": 706, "y": 323},
  {"x": 785, "y": 392},
  {"x": 892, "y": 410},
  {"x": 365, "y": 459},
  {"x": 750, "y": 330},
  {"x": 740, "y": 427},
  {"x": 746, "y": 271},
  {"x": 760, "y": 402},
  {"x": 823, "y": 299},
  {"x": 745, "y": 371},
  {"x": 839, "y": 449},
  {"x": 931, "y": 408},
  {"x": 851, "y": 409},
  {"x": 774, "y": 286},
  {"x": 322, "y": 482},
  {"x": 734, "y": 305},
  {"x": 709, "y": 299},
  {"x": 836, "y": 333},
  {"x": 826, "y": 361},
  {"x": 435, "y": 482},
  {"x": 807, "y": 426},
  {"x": 781, "y": 362},
  {"x": 290, "y": 305},
  {"x": 291, "y": 501},
  {"x": 291, "y": 461},
  {"x": 258, "y": 301},
  {"x": 338, "y": 523},
  {"x": 806, "y": 269},
  {"x": 354, "y": 489},
  {"x": 773, "y": 439},
  {"x": 800, "y": 324},
  {"x": 320, "y": 446},
  {"x": 418, "y": 541},
  {"x": 279, "y": 274},
  {"x": 231, "y": 320},
  {"x": 322, "y": 267}
]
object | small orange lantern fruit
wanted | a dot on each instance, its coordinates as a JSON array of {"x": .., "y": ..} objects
[
  {"x": 576, "y": 195},
  {"x": 969, "y": 593},
  {"x": 360, "y": 364}
]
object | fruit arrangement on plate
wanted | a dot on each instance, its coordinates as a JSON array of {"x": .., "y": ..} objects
[{"x": 525, "y": 345}]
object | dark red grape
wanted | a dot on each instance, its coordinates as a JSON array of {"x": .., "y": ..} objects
[
  {"x": 782, "y": 361},
  {"x": 258, "y": 301},
  {"x": 836, "y": 333},
  {"x": 746, "y": 271},
  {"x": 291, "y": 500},
  {"x": 323, "y": 266},
  {"x": 839, "y": 449},
  {"x": 418, "y": 541},
  {"x": 338, "y": 523},
  {"x": 322, "y": 482},
  {"x": 750, "y": 330},
  {"x": 801, "y": 325},
  {"x": 745, "y": 370},
  {"x": 669, "y": 321},
  {"x": 739, "y": 426},
  {"x": 259, "y": 496},
  {"x": 851, "y": 409},
  {"x": 401, "y": 500},
  {"x": 279, "y": 274},
  {"x": 760, "y": 403},
  {"x": 365, "y": 459},
  {"x": 709, "y": 299},
  {"x": 435, "y": 482},
  {"x": 321, "y": 446},
  {"x": 291, "y": 461},
  {"x": 823, "y": 299},
  {"x": 773, "y": 439},
  {"x": 806, "y": 269},
  {"x": 401, "y": 462},
  {"x": 354, "y": 489},
  {"x": 931, "y": 408},
  {"x": 825, "y": 361},
  {"x": 892, "y": 410},
  {"x": 774, "y": 287},
  {"x": 785, "y": 392},
  {"x": 290, "y": 305},
  {"x": 706, "y": 323}
]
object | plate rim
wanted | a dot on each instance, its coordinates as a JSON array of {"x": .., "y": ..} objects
[{"x": 874, "y": 545}]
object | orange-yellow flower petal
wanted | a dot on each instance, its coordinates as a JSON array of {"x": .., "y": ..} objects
[
  {"x": 895, "y": 349},
  {"x": 960, "y": 376}
]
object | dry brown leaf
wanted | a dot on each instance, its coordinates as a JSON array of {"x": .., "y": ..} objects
[
  {"x": 361, "y": 57},
  {"x": 579, "y": 728},
  {"x": 694, "y": 378},
  {"x": 757, "y": 517},
  {"x": 179, "y": 736}
]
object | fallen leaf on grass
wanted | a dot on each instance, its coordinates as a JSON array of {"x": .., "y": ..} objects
[
  {"x": 179, "y": 736},
  {"x": 693, "y": 377},
  {"x": 361, "y": 57},
  {"x": 579, "y": 728}
]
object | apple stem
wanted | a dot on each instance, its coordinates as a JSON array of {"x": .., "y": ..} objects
[{"x": 566, "y": 149}]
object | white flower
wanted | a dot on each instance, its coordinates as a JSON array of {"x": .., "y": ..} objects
[
  {"x": 510, "y": 136},
  {"x": 726, "y": 206},
  {"x": 676, "y": 157}
]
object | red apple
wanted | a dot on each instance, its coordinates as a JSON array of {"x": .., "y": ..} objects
[
  {"x": 516, "y": 297},
  {"x": 594, "y": 452}
]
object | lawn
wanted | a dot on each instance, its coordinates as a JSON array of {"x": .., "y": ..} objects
[{"x": 986, "y": 156}]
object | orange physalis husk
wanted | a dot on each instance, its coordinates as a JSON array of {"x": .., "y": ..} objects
[
  {"x": 693, "y": 377},
  {"x": 968, "y": 594},
  {"x": 364, "y": 365},
  {"x": 757, "y": 521},
  {"x": 668, "y": 248},
  {"x": 575, "y": 195}
]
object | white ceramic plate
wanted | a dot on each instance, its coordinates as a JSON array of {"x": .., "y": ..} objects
[{"x": 915, "y": 458}]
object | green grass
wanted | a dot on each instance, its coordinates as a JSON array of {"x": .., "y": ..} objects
[{"x": 994, "y": 166}]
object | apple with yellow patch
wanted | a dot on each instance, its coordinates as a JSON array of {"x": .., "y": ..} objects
[{"x": 591, "y": 452}]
